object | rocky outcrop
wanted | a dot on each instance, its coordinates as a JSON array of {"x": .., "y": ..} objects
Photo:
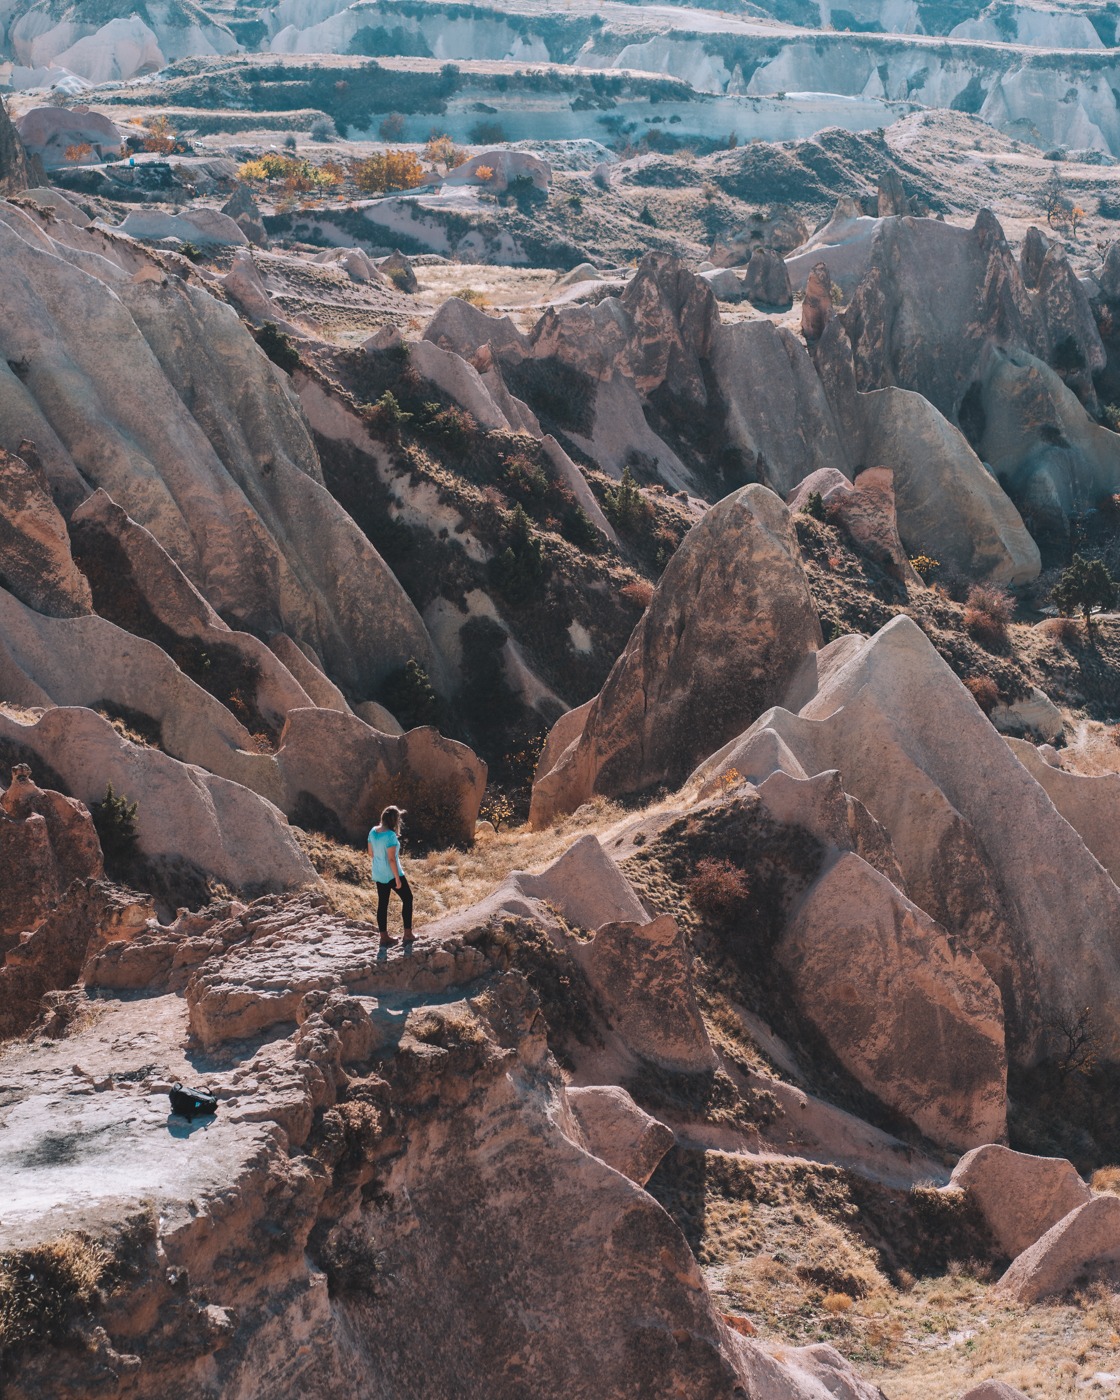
[
  {"x": 243, "y": 209},
  {"x": 766, "y": 280},
  {"x": 397, "y": 268},
  {"x": 816, "y": 307},
  {"x": 915, "y": 328},
  {"x": 1037, "y": 437},
  {"x": 47, "y": 841},
  {"x": 137, "y": 585},
  {"x": 34, "y": 546},
  {"x": 982, "y": 847},
  {"x": 15, "y": 171},
  {"x": 948, "y": 505},
  {"x": 914, "y": 1017},
  {"x": 729, "y": 624},
  {"x": 51, "y": 955},
  {"x": 776, "y": 415},
  {"x": 200, "y": 440},
  {"x": 505, "y": 168},
  {"x": 865, "y": 510},
  {"x": 48, "y": 132},
  {"x": 891, "y": 198},
  {"x": 353, "y": 771},
  {"x": 618, "y": 1132},
  {"x": 1020, "y": 1197},
  {"x": 1089, "y": 1236},
  {"x": 1091, "y": 805},
  {"x": 187, "y": 819}
]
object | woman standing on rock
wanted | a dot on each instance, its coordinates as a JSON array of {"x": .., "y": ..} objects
[{"x": 385, "y": 856}]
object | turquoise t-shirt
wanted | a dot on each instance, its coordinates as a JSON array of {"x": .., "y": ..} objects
[{"x": 382, "y": 842}]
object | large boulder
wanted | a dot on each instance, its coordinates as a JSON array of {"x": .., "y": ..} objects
[
  {"x": 49, "y": 132},
  {"x": 34, "y": 546},
  {"x": 911, "y": 1015},
  {"x": 1019, "y": 1196},
  {"x": 1088, "y": 1237},
  {"x": 505, "y": 168},
  {"x": 728, "y": 626},
  {"x": 336, "y": 761},
  {"x": 201, "y": 227},
  {"x": 866, "y": 510},
  {"x": 766, "y": 280},
  {"x": 618, "y": 1132},
  {"x": 244, "y": 210}
]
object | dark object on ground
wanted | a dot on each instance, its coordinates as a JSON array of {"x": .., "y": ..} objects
[{"x": 192, "y": 1103}]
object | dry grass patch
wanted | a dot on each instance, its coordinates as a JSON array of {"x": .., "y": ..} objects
[{"x": 445, "y": 881}]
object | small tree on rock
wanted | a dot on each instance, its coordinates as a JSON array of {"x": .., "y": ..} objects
[{"x": 1085, "y": 586}]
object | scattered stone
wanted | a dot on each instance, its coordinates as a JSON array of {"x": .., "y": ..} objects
[{"x": 618, "y": 1132}]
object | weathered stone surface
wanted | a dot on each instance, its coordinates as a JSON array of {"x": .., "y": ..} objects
[
  {"x": 982, "y": 846},
  {"x": 585, "y": 885},
  {"x": 15, "y": 171},
  {"x": 243, "y": 209},
  {"x": 354, "y": 772},
  {"x": 1038, "y": 437},
  {"x": 866, "y": 510},
  {"x": 913, "y": 1017},
  {"x": 729, "y": 624},
  {"x": 1019, "y": 1196},
  {"x": 186, "y": 816},
  {"x": 1034, "y": 249},
  {"x": 1089, "y": 1235},
  {"x": 1091, "y": 805},
  {"x": 892, "y": 201},
  {"x": 1033, "y": 713},
  {"x": 725, "y": 285},
  {"x": 1071, "y": 328},
  {"x": 47, "y": 132},
  {"x": 52, "y": 954},
  {"x": 35, "y": 562},
  {"x": 766, "y": 280},
  {"x": 139, "y": 586},
  {"x": 948, "y": 505},
  {"x": 397, "y": 268},
  {"x": 816, "y": 308},
  {"x": 47, "y": 841},
  {"x": 618, "y": 1132},
  {"x": 207, "y": 227},
  {"x": 642, "y": 973},
  {"x": 230, "y": 486},
  {"x": 933, "y": 296},
  {"x": 761, "y": 370}
]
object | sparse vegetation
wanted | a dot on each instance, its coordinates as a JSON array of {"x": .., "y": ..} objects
[
  {"x": 115, "y": 819},
  {"x": 1084, "y": 587},
  {"x": 987, "y": 614}
]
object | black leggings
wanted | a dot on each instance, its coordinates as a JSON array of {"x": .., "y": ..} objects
[{"x": 404, "y": 894}]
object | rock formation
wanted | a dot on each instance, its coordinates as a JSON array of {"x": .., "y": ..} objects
[
  {"x": 729, "y": 624},
  {"x": 1021, "y": 1197},
  {"x": 816, "y": 308},
  {"x": 15, "y": 172},
  {"x": 1088, "y": 1236}
]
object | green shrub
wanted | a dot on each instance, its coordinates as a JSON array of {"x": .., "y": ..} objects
[
  {"x": 115, "y": 820},
  {"x": 518, "y": 571},
  {"x": 408, "y": 694},
  {"x": 625, "y": 506},
  {"x": 814, "y": 506},
  {"x": 1085, "y": 586}
]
